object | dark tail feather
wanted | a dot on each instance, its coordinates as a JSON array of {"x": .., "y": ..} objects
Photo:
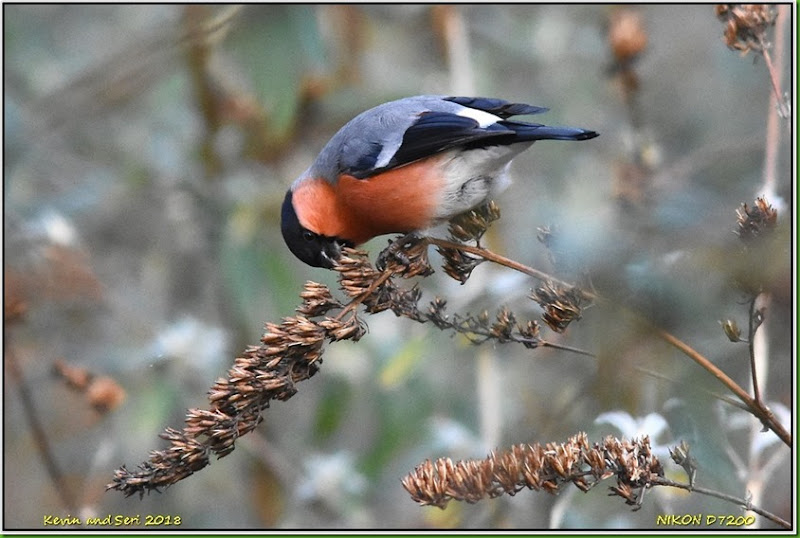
[{"x": 533, "y": 131}]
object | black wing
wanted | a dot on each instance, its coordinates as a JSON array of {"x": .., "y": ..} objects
[
  {"x": 435, "y": 132},
  {"x": 498, "y": 107}
]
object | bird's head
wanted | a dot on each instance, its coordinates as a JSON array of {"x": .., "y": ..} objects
[{"x": 310, "y": 246}]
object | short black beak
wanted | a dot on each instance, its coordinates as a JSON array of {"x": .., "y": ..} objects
[{"x": 330, "y": 254}]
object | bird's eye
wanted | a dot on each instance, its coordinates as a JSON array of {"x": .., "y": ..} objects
[{"x": 308, "y": 236}]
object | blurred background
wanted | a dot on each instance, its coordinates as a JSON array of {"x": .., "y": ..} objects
[{"x": 147, "y": 151}]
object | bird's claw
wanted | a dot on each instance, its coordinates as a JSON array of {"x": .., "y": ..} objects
[{"x": 394, "y": 252}]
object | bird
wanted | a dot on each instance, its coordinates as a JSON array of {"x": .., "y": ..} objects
[{"x": 405, "y": 166}]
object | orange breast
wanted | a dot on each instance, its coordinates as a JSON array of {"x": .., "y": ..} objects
[{"x": 401, "y": 200}]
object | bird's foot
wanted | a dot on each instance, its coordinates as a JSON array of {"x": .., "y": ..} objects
[
  {"x": 394, "y": 252},
  {"x": 407, "y": 256}
]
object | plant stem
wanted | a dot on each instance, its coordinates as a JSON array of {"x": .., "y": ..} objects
[
  {"x": 755, "y": 406},
  {"x": 659, "y": 481},
  {"x": 39, "y": 434},
  {"x": 773, "y": 77},
  {"x": 502, "y": 260},
  {"x": 752, "y": 328}
]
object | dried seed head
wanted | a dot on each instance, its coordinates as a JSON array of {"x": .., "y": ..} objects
[
  {"x": 538, "y": 468},
  {"x": 680, "y": 455},
  {"x": 350, "y": 329},
  {"x": 290, "y": 352},
  {"x": 503, "y": 328},
  {"x": 405, "y": 303},
  {"x": 757, "y": 221},
  {"x": 317, "y": 300},
  {"x": 561, "y": 305},
  {"x": 356, "y": 274},
  {"x": 731, "y": 330},
  {"x": 458, "y": 264},
  {"x": 472, "y": 224},
  {"x": 530, "y": 334},
  {"x": 478, "y": 329},
  {"x": 746, "y": 25},
  {"x": 626, "y": 492},
  {"x": 407, "y": 256},
  {"x": 436, "y": 313}
]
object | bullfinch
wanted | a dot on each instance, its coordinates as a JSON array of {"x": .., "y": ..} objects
[{"x": 405, "y": 166}]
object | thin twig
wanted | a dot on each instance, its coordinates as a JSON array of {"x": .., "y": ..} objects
[
  {"x": 773, "y": 77},
  {"x": 502, "y": 260},
  {"x": 756, "y": 407},
  {"x": 576, "y": 350},
  {"x": 389, "y": 272},
  {"x": 751, "y": 333},
  {"x": 660, "y": 481},
  {"x": 39, "y": 434},
  {"x": 721, "y": 397},
  {"x": 776, "y": 101}
]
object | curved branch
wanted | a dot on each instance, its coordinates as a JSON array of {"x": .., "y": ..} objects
[{"x": 754, "y": 406}]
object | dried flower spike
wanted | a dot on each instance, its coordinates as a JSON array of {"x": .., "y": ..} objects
[
  {"x": 290, "y": 352},
  {"x": 538, "y": 467},
  {"x": 478, "y": 329}
]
